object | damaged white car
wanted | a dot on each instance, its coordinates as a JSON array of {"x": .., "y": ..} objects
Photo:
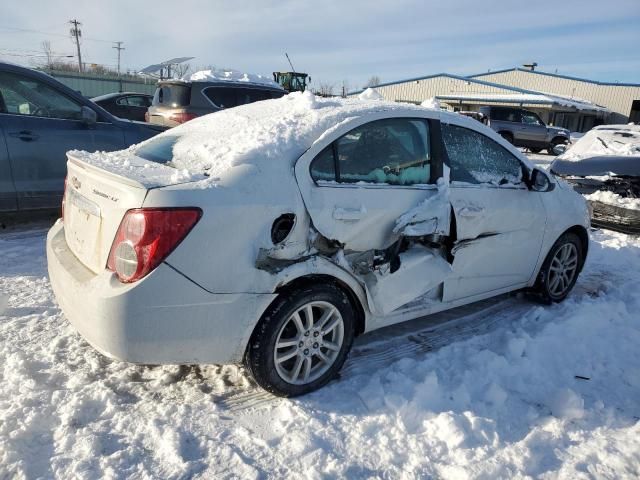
[{"x": 274, "y": 233}]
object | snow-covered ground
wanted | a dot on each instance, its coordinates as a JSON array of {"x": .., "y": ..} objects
[{"x": 503, "y": 388}]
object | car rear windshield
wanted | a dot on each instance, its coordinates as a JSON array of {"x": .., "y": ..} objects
[
  {"x": 158, "y": 149},
  {"x": 172, "y": 95}
]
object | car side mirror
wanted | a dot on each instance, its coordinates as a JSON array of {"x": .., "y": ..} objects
[
  {"x": 88, "y": 115},
  {"x": 559, "y": 149},
  {"x": 540, "y": 181}
]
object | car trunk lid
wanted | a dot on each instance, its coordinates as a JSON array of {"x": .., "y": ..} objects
[{"x": 97, "y": 198}]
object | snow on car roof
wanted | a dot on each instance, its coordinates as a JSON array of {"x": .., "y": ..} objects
[
  {"x": 274, "y": 132},
  {"x": 229, "y": 75},
  {"x": 621, "y": 140}
]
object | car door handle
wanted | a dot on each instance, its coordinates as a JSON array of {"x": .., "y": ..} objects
[
  {"x": 25, "y": 135},
  {"x": 471, "y": 212},
  {"x": 349, "y": 214}
]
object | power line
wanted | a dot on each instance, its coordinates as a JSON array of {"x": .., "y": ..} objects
[{"x": 28, "y": 30}]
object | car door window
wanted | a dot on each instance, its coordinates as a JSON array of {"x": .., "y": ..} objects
[
  {"x": 475, "y": 158},
  {"x": 531, "y": 119},
  {"x": 136, "y": 101},
  {"x": 222, "y": 97},
  {"x": 26, "y": 96},
  {"x": 391, "y": 151}
]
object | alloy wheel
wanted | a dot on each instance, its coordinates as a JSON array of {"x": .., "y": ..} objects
[
  {"x": 309, "y": 342},
  {"x": 563, "y": 269}
]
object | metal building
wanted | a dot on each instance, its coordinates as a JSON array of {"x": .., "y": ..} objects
[{"x": 574, "y": 103}]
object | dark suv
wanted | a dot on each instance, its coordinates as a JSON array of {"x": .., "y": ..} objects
[
  {"x": 177, "y": 101},
  {"x": 40, "y": 120},
  {"x": 524, "y": 128}
]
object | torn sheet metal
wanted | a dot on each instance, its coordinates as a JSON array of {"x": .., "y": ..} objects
[
  {"x": 432, "y": 216},
  {"x": 421, "y": 269}
]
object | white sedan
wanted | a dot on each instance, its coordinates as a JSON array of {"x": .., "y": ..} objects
[{"x": 274, "y": 233}]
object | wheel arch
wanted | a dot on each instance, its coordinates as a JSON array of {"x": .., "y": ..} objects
[
  {"x": 583, "y": 235},
  {"x": 314, "y": 279}
]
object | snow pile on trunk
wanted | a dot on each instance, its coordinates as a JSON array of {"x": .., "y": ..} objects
[
  {"x": 506, "y": 388},
  {"x": 432, "y": 102},
  {"x": 229, "y": 75},
  {"x": 269, "y": 135},
  {"x": 370, "y": 94},
  {"x": 619, "y": 140}
]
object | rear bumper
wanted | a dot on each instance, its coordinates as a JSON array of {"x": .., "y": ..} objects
[{"x": 163, "y": 319}]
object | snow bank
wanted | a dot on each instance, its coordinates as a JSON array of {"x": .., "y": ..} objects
[
  {"x": 622, "y": 140},
  {"x": 370, "y": 94},
  {"x": 229, "y": 75},
  {"x": 274, "y": 132}
]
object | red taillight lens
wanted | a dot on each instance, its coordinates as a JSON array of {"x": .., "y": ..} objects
[
  {"x": 182, "y": 117},
  {"x": 64, "y": 196},
  {"x": 146, "y": 237}
]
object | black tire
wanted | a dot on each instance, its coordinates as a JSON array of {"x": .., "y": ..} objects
[
  {"x": 260, "y": 356},
  {"x": 507, "y": 136},
  {"x": 554, "y": 142},
  {"x": 535, "y": 150},
  {"x": 544, "y": 282}
]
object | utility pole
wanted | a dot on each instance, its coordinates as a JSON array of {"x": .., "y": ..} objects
[
  {"x": 118, "y": 46},
  {"x": 75, "y": 32}
]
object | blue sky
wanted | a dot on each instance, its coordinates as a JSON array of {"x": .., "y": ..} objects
[{"x": 338, "y": 41}]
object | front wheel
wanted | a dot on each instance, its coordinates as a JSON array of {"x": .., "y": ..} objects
[
  {"x": 560, "y": 269},
  {"x": 302, "y": 340}
]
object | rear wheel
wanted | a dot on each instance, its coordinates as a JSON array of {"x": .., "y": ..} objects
[
  {"x": 560, "y": 269},
  {"x": 555, "y": 142},
  {"x": 302, "y": 340}
]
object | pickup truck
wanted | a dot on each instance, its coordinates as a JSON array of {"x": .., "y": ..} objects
[{"x": 524, "y": 128}]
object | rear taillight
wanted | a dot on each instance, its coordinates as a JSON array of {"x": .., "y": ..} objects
[
  {"x": 146, "y": 237},
  {"x": 182, "y": 117},
  {"x": 64, "y": 197},
  {"x": 146, "y": 116}
]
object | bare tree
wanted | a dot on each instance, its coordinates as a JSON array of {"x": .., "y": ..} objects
[
  {"x": 48, "y": 53},
  {"x": 181, "y": 69},
  {"x": 373, "y": 81},
  {"x": 324, "y": 89}
]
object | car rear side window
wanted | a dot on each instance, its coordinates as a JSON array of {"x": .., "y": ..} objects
[
  {"x": 391, "y": 151},
  {"x": 475, "y": 158},
  {"x": 505, "y": 114},
  {"x": 222, "y": 97},
  {"x": 173, "y": 95}
]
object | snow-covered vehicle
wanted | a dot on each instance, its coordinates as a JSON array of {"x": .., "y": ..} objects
[
  {"x": 604, "y": 165},
  {"x": 176, "y": 101},
  {"x": 275, "y": 232}
]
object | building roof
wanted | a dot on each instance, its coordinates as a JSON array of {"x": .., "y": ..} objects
[
  {"x": 450, "y": 75},
  {"x": 567, "y": 77},
  {"x": 525, "y": 98}
]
